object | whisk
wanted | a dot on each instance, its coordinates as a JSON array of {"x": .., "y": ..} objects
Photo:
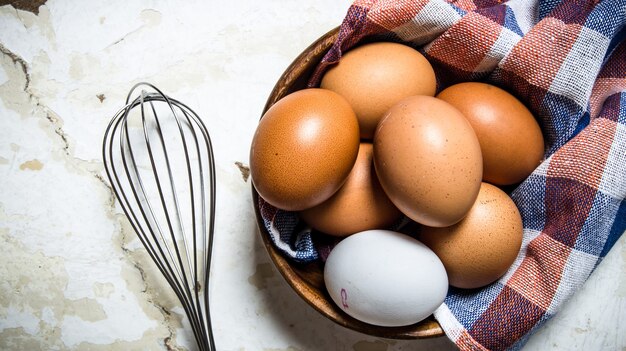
[{"x": 158, "y": 157}]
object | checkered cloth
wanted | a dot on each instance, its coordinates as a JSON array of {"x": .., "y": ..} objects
[{"x": 566, "y": 60}]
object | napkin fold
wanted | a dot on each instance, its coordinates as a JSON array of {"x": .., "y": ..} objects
[{"x": 566, "y": 61}]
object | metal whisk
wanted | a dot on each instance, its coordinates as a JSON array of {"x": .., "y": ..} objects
[{"x": 159, "y": 159}]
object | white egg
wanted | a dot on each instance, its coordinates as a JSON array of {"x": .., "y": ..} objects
[{"x": 385, "y": 278}]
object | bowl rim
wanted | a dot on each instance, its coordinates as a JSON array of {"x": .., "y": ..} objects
[{"x": 320, "y": 300}]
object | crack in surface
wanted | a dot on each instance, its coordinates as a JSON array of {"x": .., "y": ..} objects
[
  {"x": 54, "y": 120},
  {"x": 169, "y": 346},
  {"x": 58, "y": 129},
  {"x": 18, "y": 61}
]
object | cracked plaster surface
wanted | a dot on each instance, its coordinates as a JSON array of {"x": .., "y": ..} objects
[{"x": 75, "y": 277}]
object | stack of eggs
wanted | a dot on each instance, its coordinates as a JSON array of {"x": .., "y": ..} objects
[{"x": 373, "y": 145}]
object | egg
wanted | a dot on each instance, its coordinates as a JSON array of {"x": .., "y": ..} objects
[
  {"x": 375, "y": 76},
  {"x": 481, "y": 248},
  {"x": 428, "y": 160},
  {"x": 304, "y": 148},
  {"x": 385, "y": 278},
  {"x": 360, "y": 204},
  {"x": 510, "y": 137}
]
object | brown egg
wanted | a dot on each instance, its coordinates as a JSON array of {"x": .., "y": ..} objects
[
  {"x": 304, "y": 148},
  {"x": 510, "y": 138},
  {"x": 481, "y": 248},
  {"x": 428, "y": 160},
  {"x": 375, "y": 76},
  {"x": 360, "y": 204}
]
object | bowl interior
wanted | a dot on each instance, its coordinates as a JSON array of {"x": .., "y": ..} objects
[{"x": 307, "y": 280}]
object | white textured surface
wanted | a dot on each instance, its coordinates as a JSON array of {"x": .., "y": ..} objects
[{"x": 74, "y": 276}]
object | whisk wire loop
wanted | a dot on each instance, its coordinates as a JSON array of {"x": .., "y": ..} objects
[{"x": 169, "y": 202}]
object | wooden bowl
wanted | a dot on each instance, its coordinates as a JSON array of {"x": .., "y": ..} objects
[{"x": 307, "y": 279}]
